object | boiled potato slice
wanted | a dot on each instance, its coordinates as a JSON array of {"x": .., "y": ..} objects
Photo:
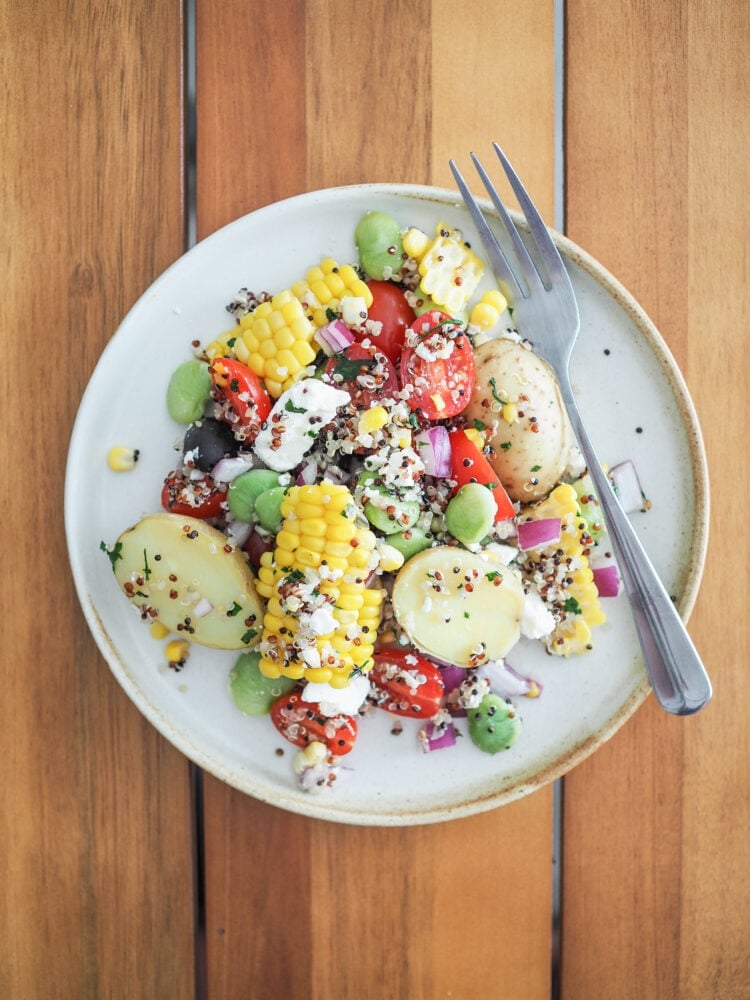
[
  {"x": 517, "y": 392},
  {"x": 177, "y": 569},
  {"x": 458, "y": 606}
]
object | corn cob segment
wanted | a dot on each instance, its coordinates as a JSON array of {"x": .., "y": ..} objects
[
  {"x": 450, "y": 271},
  {"x": 325, "y": 286},
  {"x": 563, "y": 575},
  {"x": 321, "y": 620}
]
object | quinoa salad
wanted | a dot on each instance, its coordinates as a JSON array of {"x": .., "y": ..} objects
[{"x": 377, "y": 498}]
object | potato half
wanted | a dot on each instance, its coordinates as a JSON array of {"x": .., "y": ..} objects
[
  {"x": 517, "y": 392},
  {"x": 458, "y": 606},
  {"x": 180, "y": 571}
]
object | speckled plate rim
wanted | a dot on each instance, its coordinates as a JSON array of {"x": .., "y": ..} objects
[{"x": 324, "y": 808}]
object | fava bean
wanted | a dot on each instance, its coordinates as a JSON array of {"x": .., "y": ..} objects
[
  {"x": 251, "y": 691},
  {"x": 268, "y": 508},
  {"x": 411, "y": 541},
  {"x": 188, "y": 389},
  {"x": 378, "y": 239},
  {"x": 493, "y": 725},
  {"x": 245, "y": 490},
  {"x": 470, "y": 514}
]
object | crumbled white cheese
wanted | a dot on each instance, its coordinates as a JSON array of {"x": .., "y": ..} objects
[
  {"x": 294, "y": 422},
  {"x": 353, "y": 310},
  {"x": 537, "y": 620},
  {"x": 338, "y": 701}
]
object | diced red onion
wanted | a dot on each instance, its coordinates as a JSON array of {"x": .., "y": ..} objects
[
  {"x": 453, "y": 677},
  {"x": 202, "y": 608},
  {"x": 607, "y": 580},
  {"x": 307, "y": 475},
  {"x": 239, "y": 532},
  {"x": 438, "y": 740},
  {"x": 334, "y": 337},
  {"x": 507, "y": 682},
  {"x": 627, "y": 486},
  {"x": 433, "y": 447},
  {"x": 535, "y": 534},
  {"x": 227, "y": 469}
]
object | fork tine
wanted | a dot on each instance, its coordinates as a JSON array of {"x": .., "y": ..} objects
[
  {"x": 499, "y": 262},
  {"x": 522, "y": 254},
  {"x": 547, "y": 249}
]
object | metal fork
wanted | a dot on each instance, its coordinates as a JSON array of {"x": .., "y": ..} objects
[{"x": 546, "y": 310}]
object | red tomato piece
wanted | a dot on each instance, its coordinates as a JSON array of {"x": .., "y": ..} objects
[
  {"x": 389, "y": 307},
  {"x": 441, "y": 386},
  {"x": 201, "y": 498},
  {"x": 344, "y": 372},
  {"x": 406, "y": 683},
  {"x": 241, "y": 395},
  {"x": 301, "y": 723},
  {"x": 469, "y": 465}
]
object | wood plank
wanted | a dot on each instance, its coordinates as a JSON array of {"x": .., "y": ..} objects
[
  {"x": 295, "y": 906},
  {"x": 656, "y": 861},
  {"x": 95, "y": 825}
]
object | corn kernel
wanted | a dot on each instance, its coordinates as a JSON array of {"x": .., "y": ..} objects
[
  {"x": 158, "y": 630},
  {"x": 415, "y": 243},
  {"x": 475, "y": 436},
  {"x": 372, "y": 420},
  {"x": 484, "y": 316},
  {"x": 177, "y": 651},
  {"x": 122, "y": 459},
  {"x": 510, "y": 413},
  {"x": 494, "y": 297},
  {"x": 390, "y": 558}
]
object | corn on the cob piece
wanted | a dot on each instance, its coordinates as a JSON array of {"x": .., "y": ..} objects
[
  {"x": 573, "y": 633},
  {"x": 321, "y": 620},
  {"x": 275, "y": 341},
  {"x": 450, "y": 271},
  {"x": 325, "y": 286}
]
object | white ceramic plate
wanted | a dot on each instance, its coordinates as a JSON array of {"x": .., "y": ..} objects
[{"x": 630, "y": 393}]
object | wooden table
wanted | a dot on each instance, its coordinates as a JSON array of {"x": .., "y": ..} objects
[{"x": 633, "y": 130}]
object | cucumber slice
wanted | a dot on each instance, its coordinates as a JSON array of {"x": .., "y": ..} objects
[
  {"x": 458, "y": 605},
  {"x": 177, "y": 570},
  {"x": 251, "y": 691}
]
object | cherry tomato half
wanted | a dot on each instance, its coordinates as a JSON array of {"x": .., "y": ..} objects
[
  {"x": 344, "y": 370},
  {"x": 441, "y": 387},
  {"x": 407, "y": 683},
  {"x": 240, "y": 393},
  {"x": 469, "y": 465},
  {"x": 300, "y": 722},
  {"x": 201, "y": 498},
  {"x": 389, "y": 307}
]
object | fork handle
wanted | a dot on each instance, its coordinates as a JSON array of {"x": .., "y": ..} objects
[{"x": 677, "y": 675}]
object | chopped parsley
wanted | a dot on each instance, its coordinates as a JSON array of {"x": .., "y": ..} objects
[
  {"x": 234, "y": 610},
  {"x": 114, "y": 553},
  {"x": 535, "y": 468},
  {"x": 349, "y": 369},
  {"x": 571, "y": 605},
  {"x": 291, "y": 408},
  {"x": 506, "y": 445},
  {"x": 249, "y": 635},
  {"x": 146, "y": 567},
  {"x": 495, "y": 396}
]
